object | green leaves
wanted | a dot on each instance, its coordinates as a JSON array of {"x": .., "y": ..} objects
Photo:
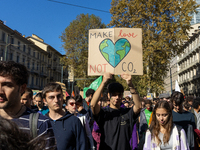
[
  {"x": 164, "y": 24},
  {"x": 75, "y": 43}
]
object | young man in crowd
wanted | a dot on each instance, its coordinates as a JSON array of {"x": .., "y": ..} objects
[
  {"x": 183, "y": 118},
  {"x": 71, "y": 106},
  {"x": 13, "y": 82},
  {"x": 196, "y": 106},
  {"x": 40, "y": 104},
  {"x": 68, "y": 130},
  {"x": 144, "y": 120},
  {"x": 116, "y": 123},
  {"x": 27, "y": 99},
  {"x": 86, "y": 105}
]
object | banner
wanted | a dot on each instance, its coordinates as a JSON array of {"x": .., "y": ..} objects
[
  {"x": 115, "y": 50},
  {"x": 94, "y": 85}
]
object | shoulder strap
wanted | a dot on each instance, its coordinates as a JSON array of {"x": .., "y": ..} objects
[{"x": 33, "y": 120}]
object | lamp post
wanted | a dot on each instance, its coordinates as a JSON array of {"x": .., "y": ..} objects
[{"x": 170, "y": 78}]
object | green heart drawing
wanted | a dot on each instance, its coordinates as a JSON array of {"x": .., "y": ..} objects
[{"x": 114, "y": 53}]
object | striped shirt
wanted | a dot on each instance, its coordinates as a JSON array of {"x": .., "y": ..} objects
[{"x": 43, "y": 126}]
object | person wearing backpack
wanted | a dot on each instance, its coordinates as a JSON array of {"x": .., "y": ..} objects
[
  {"x": 13, "y": 82},
  {"x": 163, "y": 134}
]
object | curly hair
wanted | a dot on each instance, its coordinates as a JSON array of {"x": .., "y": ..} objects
[
  {"x": 155, "y": 126},
  {"x": 13, "y": 138},
  {"x": 16, "y": 71}
]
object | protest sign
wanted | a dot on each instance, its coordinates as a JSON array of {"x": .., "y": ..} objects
[
  {"x": 115, "y": 50},
  {"x": 150, "y": 96}
]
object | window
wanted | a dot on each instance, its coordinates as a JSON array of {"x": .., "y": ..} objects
[
  {"x": 18, "y": 44},
  {"x": 32, "y": 82},
  {"x": 36, "y": 81},
  {"x": 28, "y": 64},
  {"x": 24, "y": 48},
  {"x": 37, "y": 66},
  {"x": 12, "y": 40},
  {"x": 29, "y": 51},
  {"x": 33, "y": 53},
  {"x": 38, "y": 55},
  {"x": 11, "y": 56},
  {"x": 3, "y": 37},
  {"x": 23, "y": 60},
  {"x": 33, "y": 65},
  {"x": 17, "y": 58}
]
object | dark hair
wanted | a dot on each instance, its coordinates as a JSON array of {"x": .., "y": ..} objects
[
  {"x": 196, "y": 103},
  {"x": 155, "y": 127},
  {"x": 186, "y": 105},
  {"x": 189, "y": 98},
  {"x": 51, "y": 87},
  {"x": 177, "y": 97},
  {"x": 115, "y": 87},
  {"x": 67, "y": 99},
  {"x": 13, "y": 138},
  {"x": 148, "y": 102},
  {"x": 39, "y": 94},
  {"x": 29, "y": 91},
  {"x": 16, "y": 71},
  {"x": 79, "y": 99},
  {"x": 89, "y": 92}
]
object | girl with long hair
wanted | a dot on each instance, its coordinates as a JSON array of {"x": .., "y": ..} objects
[{"x": 163, "y": 134}]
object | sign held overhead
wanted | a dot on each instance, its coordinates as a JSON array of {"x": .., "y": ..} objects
[{"x": 115, "y": 50}]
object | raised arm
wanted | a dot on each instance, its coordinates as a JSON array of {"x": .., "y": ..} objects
[
  {"x": 136, "y": 98},
  {"x": 94, "y": 102}
]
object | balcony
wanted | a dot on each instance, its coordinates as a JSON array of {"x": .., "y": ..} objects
[
  {"x": 34, "y": 71},
  {"x": 49, "y": 66},
  {"x": 43, "y": 74},
  {"x": 49, "y": 55},
  {"x": 188, "y": 53},
  {"x": 189, "y": 66}
]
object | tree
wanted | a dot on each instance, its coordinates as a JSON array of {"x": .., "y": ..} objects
[
  {"x": 75, "y": 43},
  {"x": 164, "y": 26}
]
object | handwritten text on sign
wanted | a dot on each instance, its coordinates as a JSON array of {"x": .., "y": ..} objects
[{"x": 115, "y": 50}]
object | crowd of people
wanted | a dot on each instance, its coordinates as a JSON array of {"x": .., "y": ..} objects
[{"x": 104, "y": 120}]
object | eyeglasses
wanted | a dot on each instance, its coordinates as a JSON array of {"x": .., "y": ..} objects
[{"x": 72, "y": 104}]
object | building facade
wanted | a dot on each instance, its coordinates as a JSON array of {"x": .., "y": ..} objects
[
  {"x": 196, "y": 17},
  {"x": 189, "y": 64},
  {"x": 42, "y": 60},
  {"x": 172, "y": 76}
]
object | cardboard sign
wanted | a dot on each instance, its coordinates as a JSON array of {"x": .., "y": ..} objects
[
  {"x": 150, "y": 96},
  {"x": 115, "y": 50}
]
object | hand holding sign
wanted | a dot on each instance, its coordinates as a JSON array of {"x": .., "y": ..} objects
[
  {"x": 107, "y": 76},
  {"x": 126, "y": 77},
  {"x": 116, "y": 50}
]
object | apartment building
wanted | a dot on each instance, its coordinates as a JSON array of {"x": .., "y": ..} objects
[
  {"x": 189, "y": 64},
  {"x": 42, "y": 60},
  {"x": 171, "y": 77}
]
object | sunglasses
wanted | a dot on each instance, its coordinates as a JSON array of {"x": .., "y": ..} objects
[{"x": 72, "y": 104}]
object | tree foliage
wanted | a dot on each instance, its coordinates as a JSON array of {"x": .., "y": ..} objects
[
  {"x": 164, "y": 26},
  {"x": 75, "y": 43}
]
